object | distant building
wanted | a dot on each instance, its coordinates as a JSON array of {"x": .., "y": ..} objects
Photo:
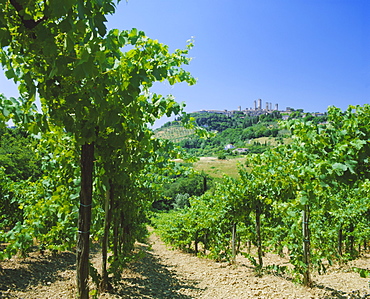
[
  {"x": 240, "y": 150},
  {"x": 259, "y": 104},
  {"x": 229, "y": 146}
]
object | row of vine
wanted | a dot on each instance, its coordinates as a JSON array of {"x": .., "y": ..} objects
[
  {"x": 310, "y": 197},
  {"x": 100, "y": 159}
]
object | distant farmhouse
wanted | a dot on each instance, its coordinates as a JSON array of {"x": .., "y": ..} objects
[
  {"x": 229, "y": 146},
  {"x": 235, "y": 150}
]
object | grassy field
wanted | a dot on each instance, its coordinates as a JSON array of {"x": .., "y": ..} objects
[{"x": 217, "y": 168}]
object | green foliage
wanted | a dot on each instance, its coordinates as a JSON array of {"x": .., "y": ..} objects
[
  {"x": 47, "y": 207},
  {"x": 93, "y": 86},
  {"x": 181, "y": 201},
  {"x": 194, "y": 184},
  {"x": 17, "y": 155},
  {"x": 20, "y": 166},
  {"x": 237, "y": 129},
  {"x": 207, "y": 221},
  {"x": 10, "y": 213},
  {"x": 221, "y": 156},
  {"x": 363, "y": 272},
  {"x": 311, "y": 194}
]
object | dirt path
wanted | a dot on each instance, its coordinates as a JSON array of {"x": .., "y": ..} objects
[
  {"x": 180, "y": 275},
  {"x": 164, "y": 273}
]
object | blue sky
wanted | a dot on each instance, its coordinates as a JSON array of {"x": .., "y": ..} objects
[{"x": 307, "y": 54}]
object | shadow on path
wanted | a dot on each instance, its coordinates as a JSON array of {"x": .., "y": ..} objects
[
  {"x": 337, "y": 294},
  {"x": 157, "y": 280},
  {"x": 35, "y": 270}
]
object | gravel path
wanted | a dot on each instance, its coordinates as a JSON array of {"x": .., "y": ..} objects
[
  {"x": 173, "y": 274},
  {"x": 165, "y": 273}
]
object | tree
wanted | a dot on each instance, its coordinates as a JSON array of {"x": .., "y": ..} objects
[
  {"x": 16, "y": 155},
  {"x": 18, "y": 163}
]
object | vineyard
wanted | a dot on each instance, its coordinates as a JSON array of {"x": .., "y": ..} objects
[
  {"x": 100, "y": 163},
  {"x": 84, "y": 169},
  {"x": 308, "y": 201},
  {"x": 174, "y": 133}
]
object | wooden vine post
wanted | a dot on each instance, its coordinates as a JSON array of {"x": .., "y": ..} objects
[
  {"x": 258, "y": 233},
  {"x": 306, "y": 245},
  {"x": 233, "y": 242},
  {"x": 84, "y": 220}
]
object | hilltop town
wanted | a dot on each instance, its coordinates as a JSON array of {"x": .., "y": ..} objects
[{"x": 258, "y": 109}]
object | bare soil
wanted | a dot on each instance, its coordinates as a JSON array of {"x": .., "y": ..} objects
[{"x": 166, "y": 273}]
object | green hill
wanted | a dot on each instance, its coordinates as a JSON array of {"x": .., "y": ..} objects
[{"x": 254, "y": 132}]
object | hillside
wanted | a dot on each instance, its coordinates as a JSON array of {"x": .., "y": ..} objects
[
  {"x": 174, "y": 132},
  {"x": 238, "y": 129},
  {"x": 254, "y": 132}
]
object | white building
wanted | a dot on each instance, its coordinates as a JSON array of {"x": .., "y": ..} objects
[{"x": 229, "y": 146}]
